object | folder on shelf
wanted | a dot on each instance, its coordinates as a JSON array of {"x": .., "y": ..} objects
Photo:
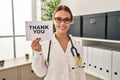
[
  {"x": 96, "y": 60},
  {"x": 107, "y": 64},
  {"x": 90, "y": 58},
  {"x": 85, "y": 56},
  {"x": 100, "y": 64},
  {"x": 116, "y": 65}
]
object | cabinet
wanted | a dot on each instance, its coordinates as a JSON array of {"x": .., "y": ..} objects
[
  {"x": 26, "y": 73},
  {"x": 23, "y": 72},
  {"x": 104, "y": 51},
  {"x": 9, "y": 74},
  {"x": 101, "y": 45},
  {"x": 18, "y": 69}
]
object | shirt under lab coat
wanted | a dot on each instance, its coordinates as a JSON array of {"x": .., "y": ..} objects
[{"x": 60, "y": 63}]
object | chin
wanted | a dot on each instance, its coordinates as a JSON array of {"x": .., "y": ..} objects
[{"x": 62, "y": 32}]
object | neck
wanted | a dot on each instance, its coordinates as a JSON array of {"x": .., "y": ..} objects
[{"x": 61, "y": 36}]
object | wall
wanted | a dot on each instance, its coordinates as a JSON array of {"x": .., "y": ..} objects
[{"x": 80, "y": 7}]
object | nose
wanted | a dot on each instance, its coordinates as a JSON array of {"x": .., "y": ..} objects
[{"x": 63, "y": 22}]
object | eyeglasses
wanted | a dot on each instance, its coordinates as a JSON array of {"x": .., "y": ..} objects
[{"x": 59, "y": 20}]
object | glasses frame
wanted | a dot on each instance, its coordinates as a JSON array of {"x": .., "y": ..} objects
[{"x": 65, "y": 20}]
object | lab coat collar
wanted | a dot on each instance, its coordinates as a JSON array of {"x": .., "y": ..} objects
[
  {"x": 57, "y": 45},
  {"x": 54, "y": 40}
]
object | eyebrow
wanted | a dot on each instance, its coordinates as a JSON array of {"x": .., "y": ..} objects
[{"x": 62, "y": 18}]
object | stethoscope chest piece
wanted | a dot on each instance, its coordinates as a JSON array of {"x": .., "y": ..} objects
[{"x": 78, "y": 61}]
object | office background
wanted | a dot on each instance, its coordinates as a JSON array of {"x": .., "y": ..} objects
[{"x": 16, "y": 12}]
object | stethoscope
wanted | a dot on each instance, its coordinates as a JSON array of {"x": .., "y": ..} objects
[{"x": 72, "y": 51}]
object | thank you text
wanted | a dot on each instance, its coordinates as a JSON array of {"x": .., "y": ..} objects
[{"x": 42, "y": 29}]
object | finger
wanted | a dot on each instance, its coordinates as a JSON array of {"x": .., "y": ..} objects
[
  {"x": 36, "y": 41},
  {"x": 37, "y": 48}
]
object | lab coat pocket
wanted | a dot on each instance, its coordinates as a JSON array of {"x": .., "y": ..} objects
[{"x": 80, "y": 74}]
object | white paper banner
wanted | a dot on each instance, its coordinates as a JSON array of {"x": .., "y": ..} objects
[{"x": 41, "y": 29}]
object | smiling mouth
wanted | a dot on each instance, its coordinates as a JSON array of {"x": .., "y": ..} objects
[{"x": 62, "y": 28}]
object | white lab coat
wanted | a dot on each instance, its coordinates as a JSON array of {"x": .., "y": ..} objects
[{"x": 60, "y": 62}]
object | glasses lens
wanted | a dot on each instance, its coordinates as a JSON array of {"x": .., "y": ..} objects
[
  {"x": 58, "y": 19},
  {"x": 67, "y": 20}
]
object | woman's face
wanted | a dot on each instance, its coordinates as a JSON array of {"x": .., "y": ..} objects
[{"x": 62, "y": 20}]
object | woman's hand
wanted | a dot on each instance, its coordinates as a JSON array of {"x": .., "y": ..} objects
[{"x": 35, "y": 45}]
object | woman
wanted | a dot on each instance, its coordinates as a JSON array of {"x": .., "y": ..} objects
[{"x": 54, "y": 60}]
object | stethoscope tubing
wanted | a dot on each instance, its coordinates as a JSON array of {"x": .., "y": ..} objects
[
  {"x": 73, "y": 48},
  {"x": 72, "y": 51}
]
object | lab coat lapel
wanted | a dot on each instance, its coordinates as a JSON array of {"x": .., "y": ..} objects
[{"x": 56, "y": 45}]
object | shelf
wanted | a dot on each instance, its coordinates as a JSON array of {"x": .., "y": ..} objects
[{"x": 101, "y": 40}]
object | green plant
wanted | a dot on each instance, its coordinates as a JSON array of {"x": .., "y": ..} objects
[{"x": 48, "y": 7}]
